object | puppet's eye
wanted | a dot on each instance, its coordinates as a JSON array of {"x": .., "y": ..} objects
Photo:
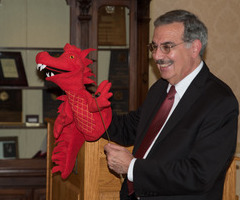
[{"x": 71, "y": 57}]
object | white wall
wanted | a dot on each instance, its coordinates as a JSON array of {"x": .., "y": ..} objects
[{"x": 32, "y": 24}]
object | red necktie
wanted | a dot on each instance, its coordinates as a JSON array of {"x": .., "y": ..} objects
[{"x": 154, "y": 128}]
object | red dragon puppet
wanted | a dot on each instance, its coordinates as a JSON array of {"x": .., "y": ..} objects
[{"x": 79, "y": 119}]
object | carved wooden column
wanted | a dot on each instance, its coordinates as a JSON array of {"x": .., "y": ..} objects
[
  {"x": 84, "y": 20},
  {"x": 79, "y": 23},
  {"x": 142, "y": 50}
]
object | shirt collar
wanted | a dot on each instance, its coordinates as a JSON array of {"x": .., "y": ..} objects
[{"x": 182, "y": 86}]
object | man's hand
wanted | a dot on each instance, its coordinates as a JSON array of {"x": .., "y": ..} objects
[{"x": 118, "y": 158}]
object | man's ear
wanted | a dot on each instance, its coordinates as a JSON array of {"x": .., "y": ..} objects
[{"x": 196, "y": 48}]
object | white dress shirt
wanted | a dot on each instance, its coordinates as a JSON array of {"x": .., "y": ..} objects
[{"x": 180, "y": 87}]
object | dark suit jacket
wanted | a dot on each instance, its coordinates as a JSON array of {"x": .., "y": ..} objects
[{"x": 190, "y": 158}]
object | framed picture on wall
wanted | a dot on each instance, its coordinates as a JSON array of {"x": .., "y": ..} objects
[
  {"x": 112, "y": 26},
  {"x": 10, "y": 106},
  {"x": 8, "y": 147},
  {"x": 12, "y": 71}
]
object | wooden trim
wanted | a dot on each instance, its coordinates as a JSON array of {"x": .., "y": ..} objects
[
  {"x": 229, "y": 191},
  {"x": 50, "y": 145}
]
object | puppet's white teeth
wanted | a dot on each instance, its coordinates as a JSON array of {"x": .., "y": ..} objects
[
  {"x": 41, "y": 67},
  {"x": 49, "y": 75},
  {"x": 38, "y": 66}
]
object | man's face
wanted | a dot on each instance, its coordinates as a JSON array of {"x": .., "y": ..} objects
[{"x": 181, "y": 60}]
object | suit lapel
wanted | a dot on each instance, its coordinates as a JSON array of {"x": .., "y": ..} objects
[{"x": 191, "y": 95}]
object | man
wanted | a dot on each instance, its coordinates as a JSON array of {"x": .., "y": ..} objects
[{"x": 189, "y": 156}]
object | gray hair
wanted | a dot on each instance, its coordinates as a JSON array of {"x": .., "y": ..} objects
[{"x": 193, "y": 27}]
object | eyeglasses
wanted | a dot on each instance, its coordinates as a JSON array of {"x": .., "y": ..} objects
[{"x": 165, "y": 48}]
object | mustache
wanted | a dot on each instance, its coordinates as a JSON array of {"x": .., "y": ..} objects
[{"x": 161, "y": 62}]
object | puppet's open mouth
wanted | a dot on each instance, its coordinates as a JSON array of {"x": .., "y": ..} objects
[{"x": 50, "y": 71}]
